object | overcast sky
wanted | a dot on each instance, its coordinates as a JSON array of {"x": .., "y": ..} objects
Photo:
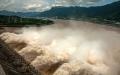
[{"x": 42, "y": 5}]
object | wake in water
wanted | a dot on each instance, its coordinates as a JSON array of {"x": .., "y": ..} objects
[{"x": 68, "y": 48}]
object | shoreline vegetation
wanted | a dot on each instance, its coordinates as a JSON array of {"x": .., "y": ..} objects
[{"x": 15, "y": 21}]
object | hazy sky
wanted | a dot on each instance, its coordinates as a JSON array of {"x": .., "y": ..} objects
[{"x": 42, "y": 5}]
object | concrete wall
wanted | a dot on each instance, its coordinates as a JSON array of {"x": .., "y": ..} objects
[{"x": 2, "y": 71}]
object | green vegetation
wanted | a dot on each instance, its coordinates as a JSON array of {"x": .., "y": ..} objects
[
  {"x": 108, "y": 14},
  {"x": 19, "y": 21}
]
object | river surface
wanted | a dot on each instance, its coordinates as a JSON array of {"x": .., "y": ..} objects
[
  {"x": 68, "y": 22},
  {"x": 95, "y": 44}
]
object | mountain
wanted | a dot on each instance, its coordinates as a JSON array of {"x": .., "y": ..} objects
[
  {"x": 20, "y": 14},
  {"x": 107, "y": 12}
]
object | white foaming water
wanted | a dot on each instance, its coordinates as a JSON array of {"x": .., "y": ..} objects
[{"x": 83, "y": 42}]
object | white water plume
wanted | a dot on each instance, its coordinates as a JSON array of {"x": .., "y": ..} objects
[
  {"x": 82, "y": 42},
  {"x": 85, "y": 43}
]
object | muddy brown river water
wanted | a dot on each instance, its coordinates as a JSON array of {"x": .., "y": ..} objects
[{"x": 68, "y": 47}]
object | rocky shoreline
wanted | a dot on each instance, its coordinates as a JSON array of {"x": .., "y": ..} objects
[{"x": 13, "y": 63}]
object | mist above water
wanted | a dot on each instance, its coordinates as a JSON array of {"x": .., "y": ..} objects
[{"x": 83, "y": 42}]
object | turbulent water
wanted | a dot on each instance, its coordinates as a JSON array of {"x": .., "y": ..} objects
[{"x": 84, "y": 46}]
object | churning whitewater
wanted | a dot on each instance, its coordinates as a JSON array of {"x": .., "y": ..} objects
[{"x": 68, "y": 48}]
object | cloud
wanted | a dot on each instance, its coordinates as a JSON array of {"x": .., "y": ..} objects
[
  {"x": 75, "y": 2},
  {"x": 42, "y": 5},
  {"x": 24, "y": 5}
]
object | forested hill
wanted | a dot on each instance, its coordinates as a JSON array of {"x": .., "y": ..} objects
[
  {"x": 19, "y": 21},
  {"x": 110, "y": 12}
]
